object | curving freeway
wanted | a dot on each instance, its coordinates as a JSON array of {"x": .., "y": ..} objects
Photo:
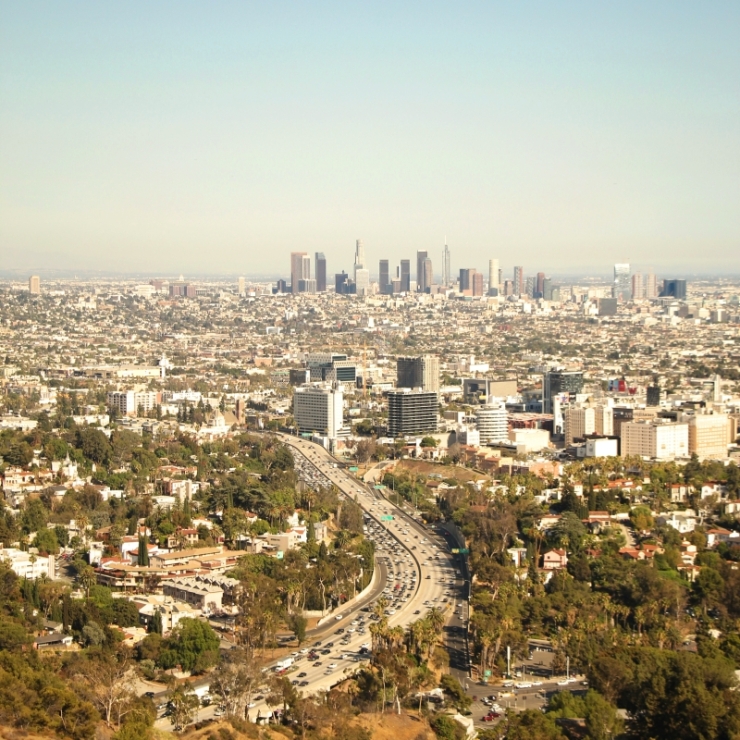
[{"x": 415, "y": 572}]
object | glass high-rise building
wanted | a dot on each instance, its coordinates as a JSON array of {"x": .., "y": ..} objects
[
  {"x": 446, "y": 273},
  {"x": 622, "y": 288},
  {"x": 320, "y": 271},
  {"x": 405, "y": 276},
  {"x": 421, "y": 257},
  {"x": 384, "y": 278}
]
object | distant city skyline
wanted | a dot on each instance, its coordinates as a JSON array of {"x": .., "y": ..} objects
[{"x": 213, "y": 139}]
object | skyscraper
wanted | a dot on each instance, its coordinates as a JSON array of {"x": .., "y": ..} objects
[
  {"x": 34, "y": 285},
  {"x": 637, "y": 289},
  {"x": 320, "y": 272},
  {"x": 519, "y": 280},
  {"x": 466, "y": 279},
  {"x": 493, "y": 281},
  {"x": 427, "y": 275},
  {"x": 622, "y": 288},
  {"x": 384, "y": 281},
  {"x": 446, "y": 274},
  {"x": 674, "y": 289},
  {"x": 359, "y": 255},
  {"x": 421, "y": 256},
  {"x": 539, "y": 291},
  {"x": 651, "y": 286},
  {"x": 296, "y": 269},
  {"x": 405, "y": 276},
  {"x": 418, "y": 372},
  {"x": 241, "y": 286}
]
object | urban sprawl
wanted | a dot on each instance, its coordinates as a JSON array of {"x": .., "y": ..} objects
[{"x": 470, "y": 504}]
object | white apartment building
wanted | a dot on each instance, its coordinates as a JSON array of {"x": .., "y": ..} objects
[
  {"x": 492, "y": 421},
  {"x": 318, "y": 408},
  {"x": 655, "y": 439},
  {"x": 709, "y": 434},
  {"x": 27, "y": 565},
  {"x": 128, "y": 403}
]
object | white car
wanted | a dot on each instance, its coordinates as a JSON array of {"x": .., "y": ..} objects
[
  {"x": 339, "y": 616},
  {"x": 523, "y": 685}
]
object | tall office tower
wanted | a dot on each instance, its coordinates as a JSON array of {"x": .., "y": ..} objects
[
  {"x": 637, "y": 290},
  {"x": 306, "y": 267},
  {"x": 547, "y": 289},
  {"x": 651, "y": 286},
  {"x": 621, "y": 288},
  {"x": 427, "y": 275},
  {"x": 518, "y": 280},
  {"x": 540, "y": 287},
  {"x": 674, "y": 289},
  {"x": 418, "y": 372},
  {"x": 656, "y": 438},
  {"x": 466, "y": 279},
  {"x": 477, "y": 283},
  {"x": 384, "y": 280},
  {"x": 359, "y": 255},
  {"x": 531, "y": 286},
  {"x": 340, "y": 282},
  {"x": 420, "y": 284},
  {"x": 318, "y": 409},
  {"x": 241, "y": 286},
  {"x": 493, "y": 277},
  {"x": 296, "y": 270},
  {"x": 412, "y": 412},
  {"x": 362, "y": 281},
  {"x": 508, "y": 287},
  {"x": 320, "y": 272},
  {"x": 405, "y": 276},
  {"x": 34, "y": 285},
  {"x": 556, "y": 382},
  {"x": 577, "y": 423},
  {"x": 709, "y": 435},
  {"x": 446, "y": 274}
]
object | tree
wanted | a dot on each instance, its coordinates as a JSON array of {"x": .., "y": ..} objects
[
  {"x": 193, "y": 644},
  {"x": 602, "y": 721},
  {"x": 184, "y": 704},
  {"x": 447, "y": 728},
  {"x": 298, "y": 623},
  {"x": 234, "y": 681},
  {"x": 143, "y": 552},
  {"x": 93, "y": 634},
  {"x": 110, "y": 681},
  {"x": 46, "y": 541}
]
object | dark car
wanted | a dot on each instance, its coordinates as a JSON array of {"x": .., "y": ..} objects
[
  {"x": 326, "y": 652},
  {"x": 295, "y": 682},
  {"x": 317, "y": 664},
  {"x": 149, "y": 695},
  {"x": 340, "y": 631},
  {"x": 302, "y": 674},
  {"x": 303, "y": 683}
]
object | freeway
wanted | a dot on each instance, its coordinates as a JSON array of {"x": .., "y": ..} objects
[{"x": 420, "y": 573}]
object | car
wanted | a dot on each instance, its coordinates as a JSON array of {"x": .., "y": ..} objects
[
  {"x": 303, "y": 683},
  {"x": 331, "y": 666},
  {"x": 149, "y": 694},
  {"x": 302, "y": 674},
  {"x": 218, "y": 712},
  {"x": 317, "y": 664},
  {"x": 418, "y": 611},
  {"x": 330, "y": 644},
  {"x": 339, "y": 616},
  {"x": 295, "y": 682},
  {"x": 523, "y": 685}
]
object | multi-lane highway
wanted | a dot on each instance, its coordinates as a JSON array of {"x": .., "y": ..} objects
[{"x": 415, "y": 572}]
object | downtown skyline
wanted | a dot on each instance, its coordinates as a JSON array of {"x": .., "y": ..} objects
[{"x": 572, "y": 137}]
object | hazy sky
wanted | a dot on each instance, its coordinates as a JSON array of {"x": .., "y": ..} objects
[{"x": 219, "y": 136}]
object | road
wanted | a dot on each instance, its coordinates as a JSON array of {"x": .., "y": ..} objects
[{"x": 416, "y": 559}]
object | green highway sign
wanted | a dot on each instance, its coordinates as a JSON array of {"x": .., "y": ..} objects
[
  {"x": 487, "y": 674},
  {"x": 379, "y": 487},
  {"x": 460, "y": 550},
  {"x": 386, "y": 518},
  {"x": 353, "y": 469}
]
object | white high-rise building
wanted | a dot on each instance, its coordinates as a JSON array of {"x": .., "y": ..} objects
[
  {"x": 709, "y": 435},
  {"x": 318, "y": 408},
  {"x": 493, "y": 272},
  {"x": 446, "y": 273},
  {"x": 651, "y": 286},
  {"x": 492, "y": 421}
]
